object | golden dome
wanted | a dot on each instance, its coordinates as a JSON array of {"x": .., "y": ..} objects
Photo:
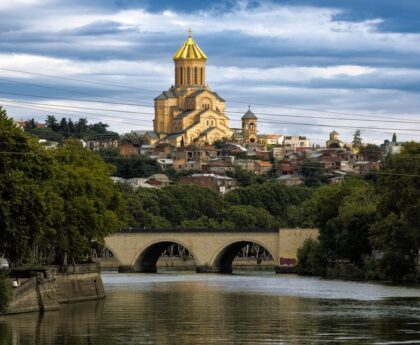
[{"x": 189, "y": 50}]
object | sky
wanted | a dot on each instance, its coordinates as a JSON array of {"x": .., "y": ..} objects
[{"x": 305, "y": 67}]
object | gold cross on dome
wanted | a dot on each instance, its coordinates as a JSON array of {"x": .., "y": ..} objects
[{"x": 189, "y": 32}]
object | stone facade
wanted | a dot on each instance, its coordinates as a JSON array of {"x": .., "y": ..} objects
[{"x": 189, "y": 112}]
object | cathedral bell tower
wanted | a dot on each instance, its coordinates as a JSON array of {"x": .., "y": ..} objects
[
  {"x": 190, "y": 65},
  {"x": 249, "y": 126}
]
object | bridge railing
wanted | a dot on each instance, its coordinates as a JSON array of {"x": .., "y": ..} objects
[{"x": 192, "y": 230}]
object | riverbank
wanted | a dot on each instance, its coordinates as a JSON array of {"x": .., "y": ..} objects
[{"x": 47, "y": 288}]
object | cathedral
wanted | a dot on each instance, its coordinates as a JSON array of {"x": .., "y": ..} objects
[{"x": 190, "y": 112}]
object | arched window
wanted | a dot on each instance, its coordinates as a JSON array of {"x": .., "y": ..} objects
[
  {"x": 181, "y": 77},
  {"x": 188, "y": 75},
  {"x": 195, "y": 76}
]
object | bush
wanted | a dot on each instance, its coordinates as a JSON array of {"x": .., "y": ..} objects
[
  {"x": 5, "y": 293},
  {"x": 311, "y": 260}
]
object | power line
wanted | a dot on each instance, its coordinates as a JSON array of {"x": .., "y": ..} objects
[
  {"x": 314, "y": 110},
  {"x": 95, "y": 115},
  {"x": 90, "y": 115},
  {"x": 71, "y": 99},
  {"x": 142, "y": 104},
  {"x": 231, "y": 100},
  {"x": 79, "y": 80},
  {"x": 78, "y": 107},
  {"x": 66, "y": 90}
]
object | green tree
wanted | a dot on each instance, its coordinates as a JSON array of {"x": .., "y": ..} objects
[
  {"x": 272, "y": 196},
  {"x": 26, "y": 197},
  {"x": 314, "y": 173},
  {"x": 249, "y": 217},
  {"x": 64, "y": 127},
  {"x": 132, "y": 166},
  {"x": 357, "y": 140},
  {"x": 52, "y": 201},
  {"x": 311, "y": 260},
  {"x": 394, "y": 138},
  {"x": 132, "y": 138},
  {"x": 81, "y": 125},
  {"x": 246, "y": 178},
  {"x": 395, "y": 242},
  {"x": 344, "y": 214},
  {"x": 397, "y": 234},
  {"x": 91, "y": 206},
  {"x": 98, "y": 127},
  {"x": 5, "y": 292},
  {"x": 371, "y": 152},
  {"x": 47, "y": 134},
  {"x": 30, "y": 124},
  {"x": 52, "y": 123}
]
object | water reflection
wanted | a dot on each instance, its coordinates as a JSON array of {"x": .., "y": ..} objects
[{"x": 210, "y": 309}]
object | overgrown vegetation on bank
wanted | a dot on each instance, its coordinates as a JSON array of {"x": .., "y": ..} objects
[
  {"x": 5, "y": 292},
  {"x": 372, "y": 226},
  {"x": 53, "y": 203}
]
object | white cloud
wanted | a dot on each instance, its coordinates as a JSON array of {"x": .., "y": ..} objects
[{"x": 299, "y": 29}]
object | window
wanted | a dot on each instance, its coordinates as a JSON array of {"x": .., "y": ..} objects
[
  {"x": 181, "y": 77},
  {"x": 195, "y": 75},
  {"x": 201, "y": 72},
  {"x": 188, "y": 75}
]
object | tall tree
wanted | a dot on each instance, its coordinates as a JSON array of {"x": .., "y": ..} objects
[
  {"x": 30, "y": 124},
  {"x": 64, "y": 127},
  {"x": 357, "y": 140},
  {"x": 51, "y": 122},
  {"x": 82, "y": 125}
]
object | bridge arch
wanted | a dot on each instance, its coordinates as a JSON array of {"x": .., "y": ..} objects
[
  {"x": 149, "y": 255},
  {"x": 223, "y": 260},
  {"x": 105, "y": 255}
]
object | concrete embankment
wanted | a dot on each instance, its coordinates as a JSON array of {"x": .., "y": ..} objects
[
  {"x": 46, "y": 288},
  {"x": 181, "y": 264}
]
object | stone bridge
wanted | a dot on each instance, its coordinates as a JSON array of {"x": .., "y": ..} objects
[{"x": 213, "y": 250}]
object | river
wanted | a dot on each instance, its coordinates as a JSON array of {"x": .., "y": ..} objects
[{"x": 259, "y": 308}]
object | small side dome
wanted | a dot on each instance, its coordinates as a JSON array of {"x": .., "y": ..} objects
[{"x": 249, "y": 115}]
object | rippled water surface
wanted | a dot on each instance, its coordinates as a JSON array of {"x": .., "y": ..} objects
[{"x": 227, "y": 309}]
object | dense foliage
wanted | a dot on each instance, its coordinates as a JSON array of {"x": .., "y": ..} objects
[
  {"x": 57, "y": 130},
  {"x": 131, "y": 166},
  {"x": 187, "y": 206},
  {"x": 53, "y": 203},
  {"x": 371, "y": 225},
  {"x": 5, "y": 292}
]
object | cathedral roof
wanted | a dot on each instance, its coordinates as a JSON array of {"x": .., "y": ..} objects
[
  {"x": 166, "y": 95},
  {"x": 196, "y": 93},
  {"x": 189, "y": 50},
  {"x": 185, "y": 114},
  {"x": 249, "y": 115}
]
